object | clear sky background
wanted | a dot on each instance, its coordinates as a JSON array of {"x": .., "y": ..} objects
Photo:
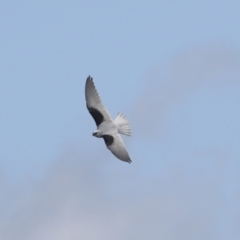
[{"x": 172, "y": 67}]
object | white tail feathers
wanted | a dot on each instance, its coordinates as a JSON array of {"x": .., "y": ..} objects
[{"x": 122, "y": 124}]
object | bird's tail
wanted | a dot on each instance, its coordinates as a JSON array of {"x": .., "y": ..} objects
[{"x": 122, "y": 124}]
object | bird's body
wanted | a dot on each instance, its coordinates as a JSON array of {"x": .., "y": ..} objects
[{"x": 107, "y": 128}]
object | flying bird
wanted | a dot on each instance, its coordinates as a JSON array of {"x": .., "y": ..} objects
[{"x": 107, "y": 128}]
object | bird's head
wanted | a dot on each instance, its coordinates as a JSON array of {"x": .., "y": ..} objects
[{"x": 96, "y": 133}]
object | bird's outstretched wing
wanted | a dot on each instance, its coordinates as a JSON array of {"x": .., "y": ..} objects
[
  {"x": 94, "y": 104},
  {"x": 116, "y": 145}
]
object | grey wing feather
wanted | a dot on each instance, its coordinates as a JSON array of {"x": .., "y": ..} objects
[
  {"x": 93, "y": 100},
  {"x": 118, "y": 149}
]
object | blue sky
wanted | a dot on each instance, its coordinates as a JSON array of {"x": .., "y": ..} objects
[{"x": 172, "y": 67}]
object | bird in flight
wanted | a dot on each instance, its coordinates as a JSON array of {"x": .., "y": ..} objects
[{"x": 107, "y": 128}]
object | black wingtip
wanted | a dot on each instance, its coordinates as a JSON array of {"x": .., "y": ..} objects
[{"x": 89, "y": 78}]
